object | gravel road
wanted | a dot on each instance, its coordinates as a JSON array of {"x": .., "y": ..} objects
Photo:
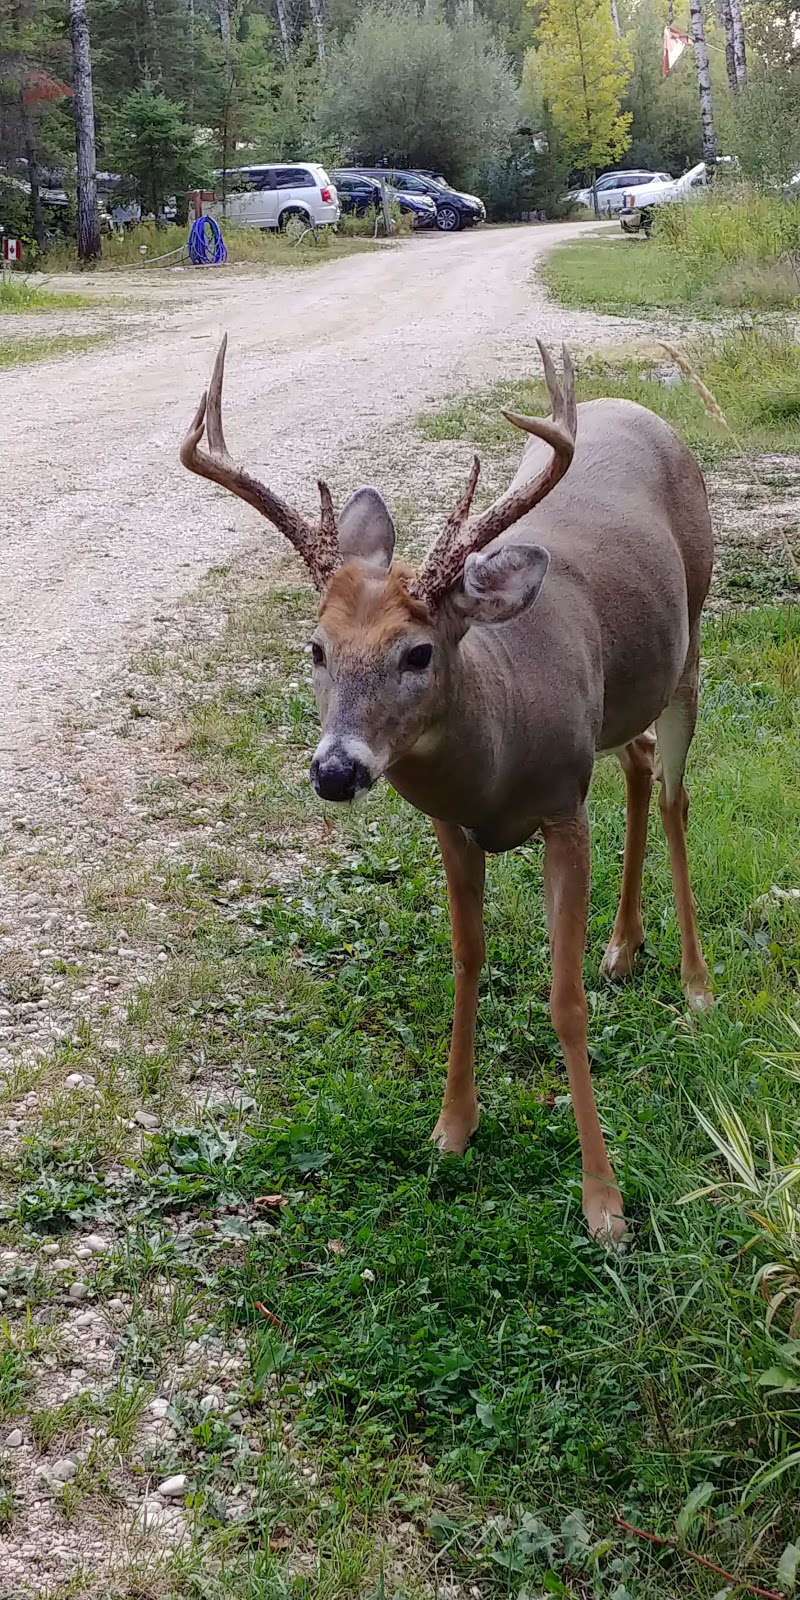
[{"x": 102, "y": 527}]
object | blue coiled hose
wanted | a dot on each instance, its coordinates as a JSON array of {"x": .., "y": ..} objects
[{"x": 206, "y": 244}]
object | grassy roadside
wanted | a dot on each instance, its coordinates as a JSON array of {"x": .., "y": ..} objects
[
  {"x": 251, "y": 247},
  {"x": 720, "y": 253},
  {"x": 753, "y": 374}
]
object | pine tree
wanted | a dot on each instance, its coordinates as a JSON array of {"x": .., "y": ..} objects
[{"x": 585, "y": 70}]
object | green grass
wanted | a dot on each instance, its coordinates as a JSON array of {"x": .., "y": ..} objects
[
  {"x": 754, "y": 373},
  {"x": 17, "y": 295},
  {"x": 22, "y": 352},
  {"x": 720, "y": 252}
]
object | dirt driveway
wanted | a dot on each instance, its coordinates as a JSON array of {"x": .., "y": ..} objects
[{"x": 101, "y": 526}]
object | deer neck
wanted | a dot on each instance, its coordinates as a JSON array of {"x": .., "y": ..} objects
[{"x": 454, "y": 768}]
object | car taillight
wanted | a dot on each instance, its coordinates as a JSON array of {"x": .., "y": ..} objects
[{"x": 326, "y": 196}]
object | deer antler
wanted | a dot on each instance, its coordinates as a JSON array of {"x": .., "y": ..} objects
[
  {"x": 317, "y": 544},
  {"x": 460, "y": 538}
]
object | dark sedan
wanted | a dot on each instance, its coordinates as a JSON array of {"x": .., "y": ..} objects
[{"x": 454, "y": 210}]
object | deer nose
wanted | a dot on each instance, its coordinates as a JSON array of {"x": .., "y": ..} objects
[{"x": 339, "y": 776}]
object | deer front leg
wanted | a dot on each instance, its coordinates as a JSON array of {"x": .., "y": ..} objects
[
  {"x": 566, "y": 887},
  {"x": 465, "y": 867}
]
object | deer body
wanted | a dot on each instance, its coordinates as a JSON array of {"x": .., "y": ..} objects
[
  {"x": 559, "y": 624},
  {"x": 593, "y": 663}
]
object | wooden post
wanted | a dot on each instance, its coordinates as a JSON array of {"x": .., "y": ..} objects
[{"x": 387, "y": 215}]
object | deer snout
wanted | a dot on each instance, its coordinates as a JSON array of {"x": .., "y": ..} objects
[{"x": 341, "y": 771}]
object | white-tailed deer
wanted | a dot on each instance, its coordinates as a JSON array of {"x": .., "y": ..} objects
[{"x": 487, "y": 712}]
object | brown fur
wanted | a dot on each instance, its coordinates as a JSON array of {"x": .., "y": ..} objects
[{"x": 364, "y": 613}]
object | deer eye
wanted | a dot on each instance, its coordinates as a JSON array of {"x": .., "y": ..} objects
[
  {"x": 317, "y": 654},
  {"x": 419, "y": 656}
]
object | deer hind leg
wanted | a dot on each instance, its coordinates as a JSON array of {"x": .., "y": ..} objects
[
  {"x": 675, "y": 729},
  {"x": 465, "y": 867},
  {"x": 566, "y": 888},
  {"x": 637, "y": 760}
]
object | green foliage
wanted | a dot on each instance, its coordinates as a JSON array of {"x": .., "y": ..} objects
[
  {"x": 411, "y": 90},
  {"x": 766, "y": 135},
  {"x": 151, "y": 141},
  {"x": 584, "y": 72}
]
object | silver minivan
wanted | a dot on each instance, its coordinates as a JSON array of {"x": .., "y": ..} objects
[{"x": 268, "y": 196}]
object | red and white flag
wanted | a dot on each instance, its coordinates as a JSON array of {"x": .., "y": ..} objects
[{"x": 674, "y": 45}]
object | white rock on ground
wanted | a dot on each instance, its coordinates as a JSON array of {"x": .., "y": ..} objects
[
  {"x": 173, "y": 1488},
  {"x": 14, "y": 1439}
]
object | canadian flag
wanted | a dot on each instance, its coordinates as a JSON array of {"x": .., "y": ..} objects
[{"x": 674, "y": 45}]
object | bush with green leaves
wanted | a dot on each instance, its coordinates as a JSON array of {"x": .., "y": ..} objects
[{"x": 412, "y": 91}]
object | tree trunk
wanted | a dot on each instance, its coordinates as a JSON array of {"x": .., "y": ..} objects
[
  {"x": 39, "y": 233},
  {"x": 224, "y": 13},
  {"x": 283, "y": 28},
  {"x": 83, "y": 107},
  {"x": 318, "y": 19},
  {"x": 155, "y": 62},
  {"x": 738, "y": 43},
  {"x": 725, "y": 16},
  {"x": 615, "y": 20},
  {"x": 704, "y": 88}
]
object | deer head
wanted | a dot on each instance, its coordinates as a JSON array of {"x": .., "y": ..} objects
[{"x": 387, "y": 638}]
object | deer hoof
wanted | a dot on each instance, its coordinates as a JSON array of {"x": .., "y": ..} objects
[
  {"x": 621, "y": 950},
  {"x": 454, "y": 1130},
  {"x": 603, "y": 1210},
  {"x": 699, "y": 994}
]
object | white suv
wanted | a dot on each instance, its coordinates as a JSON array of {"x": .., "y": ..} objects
[{"x": 266, "y": 197}]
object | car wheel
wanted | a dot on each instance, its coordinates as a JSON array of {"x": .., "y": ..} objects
[
  {"x": 448, "y": 220},
  {"x": 290, "y": 212}
]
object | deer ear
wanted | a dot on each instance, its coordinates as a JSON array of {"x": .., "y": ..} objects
[
  {"x": 498, "y": 585},
  {"x": 366, "y": 530}
]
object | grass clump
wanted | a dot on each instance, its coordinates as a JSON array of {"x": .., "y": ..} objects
[
  {"x": 724, "y": 250},
  {"x": 18, "y": 295},
  {"x": 753, "y": 374},
  {"x": 22, "y": 352}
]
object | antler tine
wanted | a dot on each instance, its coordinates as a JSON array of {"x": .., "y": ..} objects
[
  {"x": 214, "y": 433},
  {"x": 448, "y": 555},
  {"x": 317, "y": 545}
]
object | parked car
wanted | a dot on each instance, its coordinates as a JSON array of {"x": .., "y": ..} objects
[
  {"x": 454, "y": 210},
  {"x": 611, "y": 189},
  {"x": 359, "y": 194},
  {"x": 638, "y": 203},
  {"x": 443, "y": 183},
  {"x": 268, "y": 196}
]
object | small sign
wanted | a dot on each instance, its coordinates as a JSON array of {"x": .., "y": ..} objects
[{"x": 12, "y": 250}]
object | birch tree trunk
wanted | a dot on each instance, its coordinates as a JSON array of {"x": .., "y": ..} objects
[
  {"x": 725, "y": 16},
  {"x": 318, "y": 19},
  {"x": 738, "y": 42},
  {"x": 83, "y": 107},
  {"x": 704, "y": 88},
  {"x": 283, "y": 29}
]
